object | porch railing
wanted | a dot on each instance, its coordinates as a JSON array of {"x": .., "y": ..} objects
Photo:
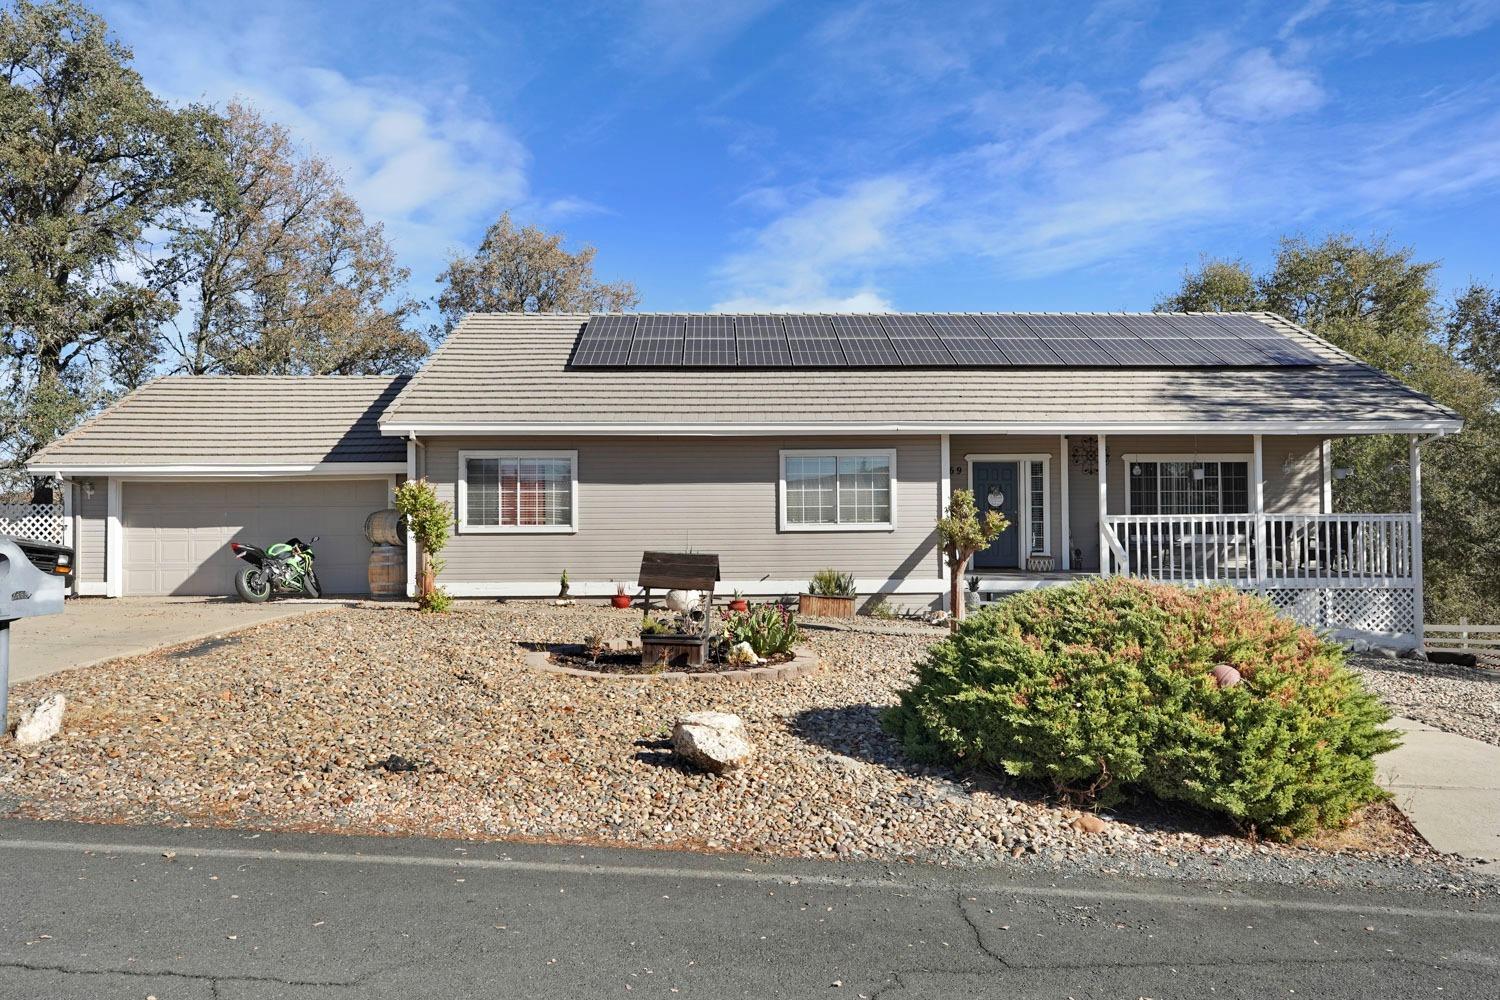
[{"x": 1304, "y": 550}]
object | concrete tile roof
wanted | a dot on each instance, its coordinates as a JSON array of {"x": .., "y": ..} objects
[
  {"x": 236, "y": 420},
  {"x": 509, "y": 372}
]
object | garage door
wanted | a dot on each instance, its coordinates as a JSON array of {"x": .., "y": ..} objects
[{"x": 177, "y": 536}]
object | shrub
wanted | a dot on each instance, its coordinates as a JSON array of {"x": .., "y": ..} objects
[
  {"x": 1105, "y": 688},
  {"x": 651, "y": 625},
  {"x": 768, "y": 628},
  {"x": 831, "y": 583},
  {"x": 435, "y": 601}
]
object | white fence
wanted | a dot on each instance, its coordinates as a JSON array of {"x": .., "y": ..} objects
[
  {"x": 1481, "y": 640},
  {"x": 40, "y": 522},
  {"x": 1333, "y": 571}
]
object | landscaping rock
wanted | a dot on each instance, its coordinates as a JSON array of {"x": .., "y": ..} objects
[
  {"x": 1089, "y": 823},
  {"x": 1226, "y": 676},
  {"x": 43, "y": 722},
  {"x": 742, "y": 655},
  {"x": 711, "y": 741}
]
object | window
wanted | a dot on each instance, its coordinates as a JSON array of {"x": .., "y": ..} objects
[
  {"x": 838, "y": 490},
  {"x": 525, "y": 491},
  {"x": 1037, "y": 505},
  {"x": 1212, "y": 486}
]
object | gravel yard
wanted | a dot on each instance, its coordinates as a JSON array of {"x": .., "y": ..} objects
[
  {"x": 284, "y": 726},
  {"x": 1460, "y": 700}
]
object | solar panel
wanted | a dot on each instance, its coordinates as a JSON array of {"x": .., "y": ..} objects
[
  {"x": 710, "y": 342},
  {"x": 1232, "y": 325},
  {"x": 658, "y": 342},
  {"x": 1130, "y": 351},
  {"x": 1055, "y": 326},
  {"x": 812, "y": 342},
  {"x": 916, "y": 342},
  {"x": 1280, "y": 351},
  {"x": 1022, "y": 344},
  {"x": 761, "y": 341},
  {"x": 1186, "y": 352},
  {"x": 1081, "y": 352},
  {"x": 1154, "y": 327},
  {"x": 864, "y": 342},
  {"x": 966, "y": 342},
  {"x": 605, "y": 341}
]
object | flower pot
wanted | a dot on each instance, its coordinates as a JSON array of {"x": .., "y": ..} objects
[
  {"x": 825, "y": 607},
  {"x": 620, "y": 600},
  {"x": 739, "y": 604},
  {"x": 971, "y": 600}
]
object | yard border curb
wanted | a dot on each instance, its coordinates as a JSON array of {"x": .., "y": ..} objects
[{"x": 804, "y": 663}]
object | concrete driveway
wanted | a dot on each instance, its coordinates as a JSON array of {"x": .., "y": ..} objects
[{"x": 92, "y": 629}]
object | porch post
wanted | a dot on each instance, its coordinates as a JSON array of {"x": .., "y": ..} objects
[
  {"x": 1258, "y": 473},
  {"x": 411, "y": 538},
  {"x": 1065, "y": 527},
  {"x": 945, "y": 496},
  {"x": 114, "y": 542},
  {"x": 1103, "y": 465},
  {"x": 1414, "y": 455},
  {"x": 1327, "y": 453}
]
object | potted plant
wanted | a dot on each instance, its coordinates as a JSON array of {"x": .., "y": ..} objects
[
  {"x": 971, "y": 599},
  {"x": 738, "y": 602},
  {"x": 830, "y": 594},
  {"x": 621, "y": 599}
]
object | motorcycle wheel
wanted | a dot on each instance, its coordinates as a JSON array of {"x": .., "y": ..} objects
[
  {"x": 310, "y": 585},
  {"x": 253, "y": 584}
]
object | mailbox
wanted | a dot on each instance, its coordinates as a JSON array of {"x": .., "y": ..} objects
[
  {"x": 26, "y": 589},
  {"x": 33, "y": 578}
]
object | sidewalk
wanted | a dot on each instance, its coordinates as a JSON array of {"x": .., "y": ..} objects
[{"x": 1449, "y": 786}]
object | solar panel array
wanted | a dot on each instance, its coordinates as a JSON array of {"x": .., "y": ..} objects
[{"x": 936, "y": 340}]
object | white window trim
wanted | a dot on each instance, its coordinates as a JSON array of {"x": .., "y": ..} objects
[
  {"x": 1024, "y": 502},
  {"x": 887, "y": 453},
  {"x": 465, "y": 528},
  {"x": 1249, "y": 460}
]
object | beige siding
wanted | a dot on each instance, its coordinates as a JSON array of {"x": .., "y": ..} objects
[
  {"x": 93, "y": 512},
  {"x": 707, "y": 494}
]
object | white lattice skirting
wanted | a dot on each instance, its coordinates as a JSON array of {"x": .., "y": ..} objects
[
  {"x": 40, "y": 522},
  {"x": 1384, "y": 609}
]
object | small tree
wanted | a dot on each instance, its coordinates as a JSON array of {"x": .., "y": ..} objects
[
  {"x": 962, "y": 533},
  {"x": 427, "y": 518}
]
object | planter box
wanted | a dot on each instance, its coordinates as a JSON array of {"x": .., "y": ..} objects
[
  {"x": 825, "y": 607},
  {"x": 673, "y": 650}
]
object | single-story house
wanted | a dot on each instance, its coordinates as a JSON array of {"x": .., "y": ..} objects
[{"x": 1187, "y": 447}]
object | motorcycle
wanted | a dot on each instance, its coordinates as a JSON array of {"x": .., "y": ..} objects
[{"x": 285, "y": 568}]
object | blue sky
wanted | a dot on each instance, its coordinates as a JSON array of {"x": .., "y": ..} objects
[{"x": 749, "y": 154}]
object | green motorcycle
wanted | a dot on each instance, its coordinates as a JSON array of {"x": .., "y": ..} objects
[{"x": 283, "y": 568}]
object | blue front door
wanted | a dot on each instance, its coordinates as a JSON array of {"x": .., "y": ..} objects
[{"x": 996, "y": 487}]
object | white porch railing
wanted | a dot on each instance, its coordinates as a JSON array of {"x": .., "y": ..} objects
[{"x": 1298, "y": 550}]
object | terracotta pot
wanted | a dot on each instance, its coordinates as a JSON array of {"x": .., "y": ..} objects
[
  {"x": 620, "y": 600},
  {"x": 739, "y": 604}
]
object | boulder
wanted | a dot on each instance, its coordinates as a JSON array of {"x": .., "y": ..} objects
[
  {"x": 742, "y": 654},
  {"x": 711, "y": 741},
  {"x": 1089, "y": 823},
  {"x": 1226, "y": 676},
  {"x": 43, "y": 722},
  {"x": 684, "y": 601}
]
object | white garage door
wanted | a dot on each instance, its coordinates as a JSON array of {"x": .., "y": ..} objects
[{"x": 177, "y": 536}]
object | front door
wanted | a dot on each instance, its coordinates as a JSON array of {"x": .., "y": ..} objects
[{"x": 996, "y": 487}]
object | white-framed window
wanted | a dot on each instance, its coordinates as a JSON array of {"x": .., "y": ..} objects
[
  {"x": 517, "y": 491},
  {"x": 838, "y": 489},
  {"x": 1188, "y": 484},
  {"x": 1033, "y": 502}
]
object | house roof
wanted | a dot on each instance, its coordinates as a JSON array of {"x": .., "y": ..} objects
[
  {"x": 503, "y": 373},
  {"x": 236, "y": 422}
]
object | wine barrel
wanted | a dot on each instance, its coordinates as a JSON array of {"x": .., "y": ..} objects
[
  {"x": 387, "y": 571},
  {"x": 385, "y": 527}
]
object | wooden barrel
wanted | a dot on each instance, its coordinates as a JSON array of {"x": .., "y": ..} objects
[
  {"x": 385, "y": 527},
  {"x": 387, "y": 571}
]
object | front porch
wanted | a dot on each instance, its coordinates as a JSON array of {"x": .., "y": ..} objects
[{"x": 1197, "y": 511}]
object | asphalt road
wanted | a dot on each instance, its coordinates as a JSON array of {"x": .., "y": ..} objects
[{"x": 102, "y": 912}]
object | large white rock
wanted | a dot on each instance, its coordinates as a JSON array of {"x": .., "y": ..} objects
[
  {"x": 43, "y": 722},
  {"x": 742, "y": 654},
  {"x": 683, "y": 601},
  {"x": 711, "y": 741}
]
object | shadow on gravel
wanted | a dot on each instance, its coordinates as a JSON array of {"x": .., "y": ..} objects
[
  {"x": 854, "y": 731},
  {"x": 204, "y": 648},
  {"x": 658, "y": 753}
]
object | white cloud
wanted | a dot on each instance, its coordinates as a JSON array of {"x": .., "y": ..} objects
[
  {"x": 823, "y": 254},
  {"x": 669, "y": 33},
  {"x": 1261, "y": 88}
]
